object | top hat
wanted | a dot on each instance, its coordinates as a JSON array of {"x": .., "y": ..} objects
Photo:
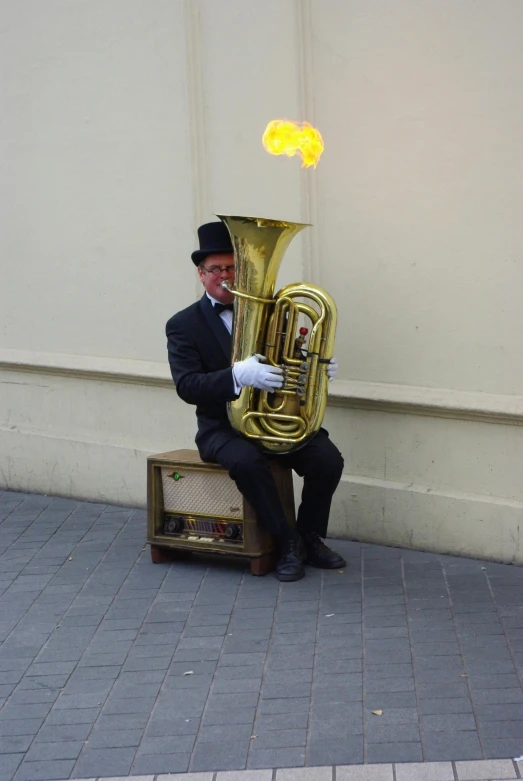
[{"x": 214, "y": 238}]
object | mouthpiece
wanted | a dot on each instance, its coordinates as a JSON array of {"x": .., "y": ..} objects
[{"x": 226, "y": 286}]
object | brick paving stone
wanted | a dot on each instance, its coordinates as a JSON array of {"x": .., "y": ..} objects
[
  {"x": 331, "y": 666},
  {"x": 291, "y": 705},
  {"x": 502, "y": 729},
  {"x": 498, "y": 696},
  {"x": 279, "y": 738},
  {"x": 15, "y": 744},
  {"x": 456, "y": 722},
  {"x": 301, "y": 774},
  {"x": 222, "y": 732},
  {"x": 234, "y": 660},
  {"x": 498, "y": 748},
  {"x": 476, "y": 771},
  {"x": 277, "y": 721},
  {"x": 10, "y": 762},
  {"x": 395, "y": 752},
  {"x": 235, "y": 717},
  {"x": 20, "y": 727},
  {"x": 424, "y": 771},
  {"x": 282, "y": 757},
  {"x": 451, "y": 745},
  {"x": 241, "y": 775},
  {"x": 376, "y": 685},
  {"x": 112, "y": 760},
  {"x": 338, "y": 727},
  {"x": 364, "y": 773},
  {"x": 504, "y": 712},
  {"x": 347, "y": 751},
  {"x": 443, "y": 690},
  {"x": 434, "y": 706},
  {"x": 160, "y": 764},
  {"x": 168, "y": 725},
  {"x": 388, "y": 733},
  {"x": 44, "y": 771},
  {"x": 69, "y": 749},
  {"x": 220, "y": 756},
  {"x": 74, "y": 716},
  {"x": 181, "y": 777},
  {"x": 486, "y": 681},
  {"x": 392, "y": 717},
  {"x": 125, "y": 778}
]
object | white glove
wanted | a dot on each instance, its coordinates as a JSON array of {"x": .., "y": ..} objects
[
  {"x": 253, "y": 372},
  {"x": 332, "y": 368}
]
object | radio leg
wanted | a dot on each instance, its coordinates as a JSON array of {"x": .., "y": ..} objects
[
  {"x": 160, "y": 555},
  {"x": 262, "y": 565}
]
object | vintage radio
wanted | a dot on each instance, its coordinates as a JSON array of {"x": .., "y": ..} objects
[{"x": 195, "y": 506}]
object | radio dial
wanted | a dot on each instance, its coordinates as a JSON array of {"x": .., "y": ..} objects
[
  {"x": 175, "y": 525},
  {"x": 232, "y": 531}
]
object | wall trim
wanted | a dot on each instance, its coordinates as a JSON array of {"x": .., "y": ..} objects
[
  {"x": 87, "y": 367},
  {"x": 351, "y": 394},
  {"x": 434, "y": 402}
]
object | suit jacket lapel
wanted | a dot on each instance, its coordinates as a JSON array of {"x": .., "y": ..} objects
[{"x": 217, "y": 326}]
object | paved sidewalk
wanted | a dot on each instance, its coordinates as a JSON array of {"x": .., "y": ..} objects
[{"x": 111, "y": 666}]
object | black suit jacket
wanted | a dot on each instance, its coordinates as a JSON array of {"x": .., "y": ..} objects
[{"x": 199, "y": 347}]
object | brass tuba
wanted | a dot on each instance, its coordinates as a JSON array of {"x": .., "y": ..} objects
[{"x": 269, "y": 324}]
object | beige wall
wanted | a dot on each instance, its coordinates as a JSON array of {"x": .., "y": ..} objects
[{"x": 126, "y": 123}]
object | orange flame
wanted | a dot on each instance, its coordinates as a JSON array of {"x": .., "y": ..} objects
[{"x": 283, "y": 137}]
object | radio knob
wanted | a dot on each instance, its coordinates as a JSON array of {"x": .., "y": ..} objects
[
  {"x": 175, "y": 525},
  {"x": 232, "y": 531}
]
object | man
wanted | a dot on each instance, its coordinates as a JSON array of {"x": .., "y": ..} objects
[{"x": 199, "y": 345}]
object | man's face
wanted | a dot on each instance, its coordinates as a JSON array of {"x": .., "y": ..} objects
[{"x": 223, "y": 266}]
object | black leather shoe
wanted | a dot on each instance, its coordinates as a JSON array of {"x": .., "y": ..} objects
[
  {"x": 290, "y": 564},
  {"x": 317, "y": 554}
]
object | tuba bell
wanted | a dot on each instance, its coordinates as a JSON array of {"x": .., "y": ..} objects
[{"x": 269, "y": 324}]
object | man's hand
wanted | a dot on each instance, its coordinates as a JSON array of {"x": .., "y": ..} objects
[
  {"x": 332, "y": 368},
  {"x": 257, "y": 374}
]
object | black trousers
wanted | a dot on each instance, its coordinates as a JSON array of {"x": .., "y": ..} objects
[{"x": 319, "y": 462}]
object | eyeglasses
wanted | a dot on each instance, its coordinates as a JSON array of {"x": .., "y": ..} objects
[{"x": 217, "y": 270}]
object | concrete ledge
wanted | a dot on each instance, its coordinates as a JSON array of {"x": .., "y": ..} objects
[
  {"x": 89, "y": 367},
  {"x": 438, "y": 402},
  {"x": 353, "y": 394},
  {"x": 418, "y": 517}
]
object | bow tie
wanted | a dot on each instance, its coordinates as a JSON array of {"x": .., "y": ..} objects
[{"x": 218, "y": 308}]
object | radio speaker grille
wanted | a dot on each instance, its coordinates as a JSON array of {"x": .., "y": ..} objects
[{"x": 201, "y": 492}]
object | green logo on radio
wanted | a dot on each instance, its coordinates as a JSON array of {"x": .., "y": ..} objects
[{"x": 176, "y": 476}]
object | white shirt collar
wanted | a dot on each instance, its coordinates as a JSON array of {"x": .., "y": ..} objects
[{"x": 213, "y": 301}]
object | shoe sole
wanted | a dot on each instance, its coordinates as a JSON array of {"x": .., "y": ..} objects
[
  {"x": 341, "y": 565},
  {"x": 290, "y": 578}
]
